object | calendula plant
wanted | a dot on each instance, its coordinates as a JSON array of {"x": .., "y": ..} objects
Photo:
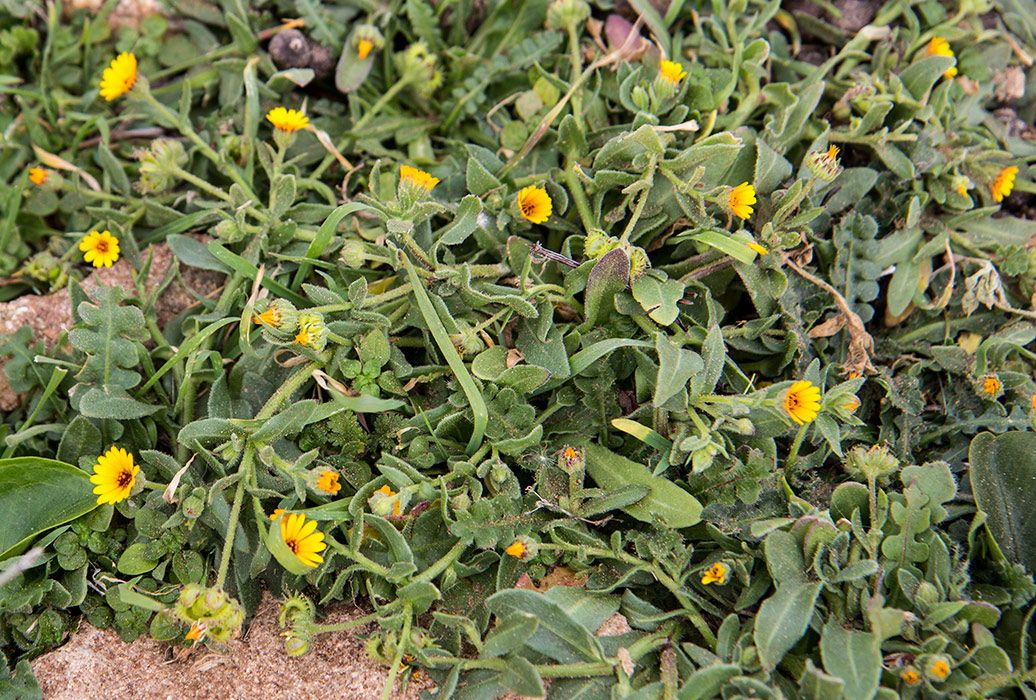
[{"x": 648, "y": 352}]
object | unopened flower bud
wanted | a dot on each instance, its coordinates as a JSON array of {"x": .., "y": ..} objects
[
  {"x": 640, "y": 98},
  {"x": 567, "y": 13},
  {"x": 420, "y": 67},
  {"x": 312, "y": 332},
  {"x": 824, "y": 165},
  {"x": 159, "y": 164},
  {"x": 871, "y": 464},
  {"x": 354, "y": 254},
  {"x": 926, "y": 594},
  {"x": 572, "y": 460}
]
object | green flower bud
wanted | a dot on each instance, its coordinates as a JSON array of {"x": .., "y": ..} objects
[
  {"x": 354, "y": 254},
  {"x": 312, "y": 332},
  {"x": 825, "y": 165},
  {"x": 874, "y": 464},
  {"x": 640, "y": 98},
  {"x": 420, "y": 67},
  {"x": 597, "y": 244},
  {"x": 639, "y": 262},
  {"x": 296, "y": 645},
  {"x": 193, "y": 507},
  {"x": 466, "y": 339},
  {"x": 229, "y": 231},
  {"x": 567, "y": 13},
  {"x": 460, "y": 502},
  {"x": 926, "y": 594},
  {"x": 159, "y": 164}
]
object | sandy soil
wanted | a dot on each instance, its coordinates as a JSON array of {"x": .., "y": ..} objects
[{"x": 96, "y": 665}]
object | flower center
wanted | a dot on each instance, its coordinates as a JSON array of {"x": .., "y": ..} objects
[
  {"x": 793, "y": 401},
  {"x": 293, "y": 545},
  {"x": 124, "y": 479},
  {"x": 528, "y": 207},
  {"x": 102, "y": 246}
]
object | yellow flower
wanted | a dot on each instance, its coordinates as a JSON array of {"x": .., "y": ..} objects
[
  {"x": 1004, "y": 183},
  {"x": 910, "y": 676},
  {"x": 303, "y": 538},
  {"x": 329, "y": 482},
  {"x": 741, "y": 200},
  {"x": 991, "y": 385},
  {"x": 271, "y": 317},
  {"x": 535, "y": 204},
  {"x": 364, "y": 48},
  {"x": 824, "y": 165},
  {"x": 516, "y": 549},
  {"x": 197, "y": 633},
  {"x": 119, "y": 77},
  {"x": 101, "y": 249},
  {"x": 940, "y": 47},
  {"x": 302, "y": 337},
  {"x": 276, "y": 512},
  {"x": 802, "y": 402},
  {"x": 939, "y": 669},
  {"x": 38, "y": 175},
  {"x": 419, "y": 178},
  {"x": 962, "y": 188},
  {"x": 672, "y": 71},
  {"x": 1034, "y": 402},
  {"x": 287, "y": 120},
  {"x": 389, "y": 493},
  {"x": 717, "y": 573},
  {"x": 115, "y": 475},
  {"x": 758, "y": 248}
]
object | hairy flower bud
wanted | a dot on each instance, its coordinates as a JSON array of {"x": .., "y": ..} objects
[
  {"x": 567, "y": 13},
  {"x": 159, "y": 165}
]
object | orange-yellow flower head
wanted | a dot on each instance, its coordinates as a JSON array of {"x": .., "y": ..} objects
[
  {"x": 802, "y": 401},
  {"x": 718, "y": 574},
  {"x": 940, "y": 47},
  {"x": 671, "y": 71},
  {"x": 759, "y": 250},
  {"x": 825, "y": 165},
  {"x": 516, "y": 549},
  {"x": 364, "y": 48},
  {"x": 939, "y": 669},
  {"x": 328, "y": 482},
  {"x": 303, "y": 538},
  {"x": 287, "y": 120},
  {"x": 409, "y": 175},
  {"x": 1004, "y": 183},
  {"x": 119, "y": 77},
  {"x": 115, "y": 474},
  {"x": 534, "y": 204},
  {"x": 38, "y": 175},
  {"x": 910, "y": 676},
  {"x": 100, "y": 249},
  {"x": 741, "y": 199},
  {"x": 524, "y": 548}
]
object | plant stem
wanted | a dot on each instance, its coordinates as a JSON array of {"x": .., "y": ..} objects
[
  {"x": 235, "y": 514},
  {"x": 795, "y": 446},
  {"x": 575, "y": 188}
]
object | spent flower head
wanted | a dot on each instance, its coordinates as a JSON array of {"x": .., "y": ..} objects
[{"x": 38, "y": 176}]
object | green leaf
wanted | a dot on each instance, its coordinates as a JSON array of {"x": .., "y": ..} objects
[
  {"x": 420, "y": 595},
  {"x": 723, "y": 242},
  {"x": 464, "y": 223},
  {"x": 81, "y": 439},
  {"x": 1003, "y": 471},
  {"x": 557, "y": 635},
  {"x": 133, "y": 561},
  {"x": 114, "y": 402},
  {"x": 782, "y": 620},
  {"x": 522, "y": 677},
  {"x": 607, "y": 278},
  {"x": 714, "y": 356},
  {"x": 667, "y": 502},
  {"x": 921, "y": 76},
  {"x": 107, "y": 339},
  {"x": 706, "y": 683},
  {"x": 288, "y": 422},
  {"x": 855, "y": 657},
  {"x": 397, "y": 545},
  {"x": 814, "y": 684},
  {"x": 194, "y": 253},
  {"x": 511, "y": 633},
  {"x": 658, "y": 297},
  {"x": 36, "y": 495},
  {"x": 676, "y": 366}
]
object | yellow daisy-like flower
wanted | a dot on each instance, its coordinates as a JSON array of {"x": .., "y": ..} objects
[
  {"x": 115, "y": 475},
  {"x": 303, "y": 539},
  {"x": 516, "y": 550},
  {"x": 741, "y": 199},
  {"x": 939, "y": 669},
  {"x": 38, "y": 175},
  {"x": 717, "y": 573},
  {"x": 329, "y": 482},
  {"x": 419, "y": 178},
  {"x": 991, "y": 385},
  {"x": 758, "y": 248},
  {"x": 271, "y": 317},
  {"x": 910, "y": 676},
  {"x": 287, "y": 120},
  {"x": 364, "y": 48},
  {"x": 672, "y": 71},
  {"x": 101, "y": 249},
  {"x": 802, "y": 401},
  {"x": 940, "y": 47},
  {"x": 118, "y": 78},
  {"x": 1004, "y": 183},
  {"x": 535, "y": 204},
  {"x": 389, "y": 493}
]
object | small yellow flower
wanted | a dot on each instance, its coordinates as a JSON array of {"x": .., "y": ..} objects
[
  {"x": 419, "y": 178},
  {"x": 119, "y": 77},
  {"x": 329, "y": 482},
  {"x": 516, "y": 549},
  {"x": 535, "y": 204},
  {"x": 197, "y": 633},
  {"x": 758, "y": 248},
  {"x": 832, "y": 154},
  {"x": 287, "y": 120},
  {"x": 302, "y": 337},
  {"x": 939, "y": 669},
  {"x": 271, "y": 317},
  {"x": 1004, "y": 183},
  {"x": 389, "y": 493},
  {"x": 1034, "y": 402},
  {"x": 962, "y": 188},
  {"x": 802, "y": 401},
  {"x": 364, "y": 48},
  {"x": 303, "y": 539},
  {"x": 991, "y": 385},
  {"x": 101, "y": 249},
  {"x": 672, "y": 71},
  {"x": 115, "y": 475},
  {"x": 717, "y": 573},
  {"x": 741, "y": 199},
  {"x": 940, "y": 47},
  {"x": 38, "y": 175},
  {"x": 910, "y": 676}
]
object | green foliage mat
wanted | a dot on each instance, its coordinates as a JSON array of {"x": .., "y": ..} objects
[{"x": 709, "y": 323}]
